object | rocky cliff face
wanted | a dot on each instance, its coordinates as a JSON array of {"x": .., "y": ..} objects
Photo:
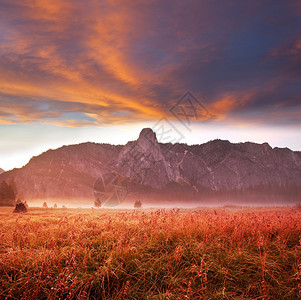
[
  {"x": 68, "y": 172},
  {"x": 144, "y": 162},
  {"x": 218, "y": 164},
  {"x": 71, "y": 171},
  {"x": 1, "y": 171}
]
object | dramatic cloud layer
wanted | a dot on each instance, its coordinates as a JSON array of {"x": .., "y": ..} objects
[{"x": 84, "y": 63}]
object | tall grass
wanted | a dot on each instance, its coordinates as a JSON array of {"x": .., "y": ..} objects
[{"x": 200, "y": 254}]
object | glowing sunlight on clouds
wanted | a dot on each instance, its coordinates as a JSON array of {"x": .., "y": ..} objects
[{"x": 74, "y": 64}]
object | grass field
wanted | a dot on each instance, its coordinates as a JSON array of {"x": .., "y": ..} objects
[{"x": 224, "y": 253}]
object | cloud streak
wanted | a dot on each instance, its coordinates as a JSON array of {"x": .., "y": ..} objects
[{"x": 70, "y": 63}]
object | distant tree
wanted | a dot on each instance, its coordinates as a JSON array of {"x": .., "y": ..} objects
[
  {"x": 97, "y": 202},
  {"x": 45, "y": 205},
  {"x": 8, "y": 194},
  {"x": 137, "y": 204},
  {"x": 55, "y": 206},
  {"x": 64, "y": 207}
]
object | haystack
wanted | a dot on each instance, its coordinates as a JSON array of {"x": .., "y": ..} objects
[{"x": 20, "y": 208}]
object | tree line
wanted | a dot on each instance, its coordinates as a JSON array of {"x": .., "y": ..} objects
[{"x": 8, "y": 193}]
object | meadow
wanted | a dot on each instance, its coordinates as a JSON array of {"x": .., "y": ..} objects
[{"x": 216, "y": 253}]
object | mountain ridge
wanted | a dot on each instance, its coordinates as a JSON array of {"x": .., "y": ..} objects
[{"x": 69, "y": 172}]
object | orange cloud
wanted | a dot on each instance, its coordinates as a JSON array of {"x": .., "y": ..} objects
[
  {"x": 48, "y": 10},
  {"x": 72, "y": 53},
  {"x": 107, "y": 46},
  {"x": 106, "y": 40},
  {"x": 220, "y": 108}
]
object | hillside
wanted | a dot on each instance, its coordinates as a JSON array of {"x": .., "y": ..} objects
[{"x": 71, "y": 171}]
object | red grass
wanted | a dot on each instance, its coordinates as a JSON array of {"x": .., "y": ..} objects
[{"x": 200, "y": 254}]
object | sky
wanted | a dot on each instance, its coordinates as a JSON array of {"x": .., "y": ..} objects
[{"x": 77, "y": 71}]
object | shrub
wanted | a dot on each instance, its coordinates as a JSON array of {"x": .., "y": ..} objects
[{"x": 138, "y": 204}]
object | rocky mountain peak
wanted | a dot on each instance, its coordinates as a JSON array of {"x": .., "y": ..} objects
[
  {"x": 143, "y": 161},
  {"x": 218, "y": 165},
  {"x": 147, "y": 136},
  {"x": 1, "y": 171}
]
